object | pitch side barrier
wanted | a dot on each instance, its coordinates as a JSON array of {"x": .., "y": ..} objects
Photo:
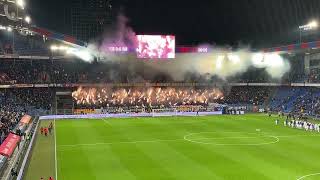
[{"x": 125, "y": 115}]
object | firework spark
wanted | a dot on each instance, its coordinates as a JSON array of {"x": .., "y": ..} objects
[{"x": 146, "y": 96}]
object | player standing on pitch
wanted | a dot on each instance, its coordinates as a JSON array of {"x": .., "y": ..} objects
[{"x": 50, "y": 127}]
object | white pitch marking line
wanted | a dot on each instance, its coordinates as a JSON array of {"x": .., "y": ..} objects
[
  {"x": 107, "y": 122},
  {"x": 123, "y": 142},
  {"x": 243, "y": 144},
  {"x": 55, "y": 148},
  {"x": 216, "y": 132},
  {"x": 308, "y": 175},
  {"x": 288, "y": 136},
  {"x": 195, "y": 140},
  {"x": 232, "y": 137}
]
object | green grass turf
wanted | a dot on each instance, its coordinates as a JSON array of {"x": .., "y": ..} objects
[
  {"x": 154, "y": 148},
  {"x": 42, "y": 161}
]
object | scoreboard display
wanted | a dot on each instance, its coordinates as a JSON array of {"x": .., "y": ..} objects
[{"x": 156, "y": 46}]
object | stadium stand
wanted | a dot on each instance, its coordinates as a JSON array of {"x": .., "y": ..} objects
[
  {"x": 23, "y": 45},
  {"x": 74, "y": 71}
]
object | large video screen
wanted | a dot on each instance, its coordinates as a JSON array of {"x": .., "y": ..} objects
[{"x": 156, "y": 46}]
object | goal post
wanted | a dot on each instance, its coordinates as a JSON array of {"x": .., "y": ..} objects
[{"x": 164, "y": 112}]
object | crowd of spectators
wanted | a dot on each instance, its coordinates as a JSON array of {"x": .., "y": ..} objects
[
  {"x": 282, "y": 97},
  {"x": 297, "y": 100},
  {"x": 76, "y": 71},
  {"x": 314, "y": 76},
  {"x": 64, "y": 71},
  {"x": 24, "y": 72},
  {"x": 308, "y": 103},
  {"x": 247, "y": 95},
  {"x": 10, "y": 115},
  {"x": 38, "y": 98},
  {"x": 27, "y": 99}
]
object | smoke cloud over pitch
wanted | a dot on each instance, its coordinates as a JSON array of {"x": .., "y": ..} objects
[{"x": 219, "y": 62}]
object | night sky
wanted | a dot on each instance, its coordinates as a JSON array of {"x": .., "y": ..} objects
[{"x": 256, "y": 22}]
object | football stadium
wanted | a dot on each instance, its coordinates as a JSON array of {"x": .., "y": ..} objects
[{"x": 157, "y": 90}]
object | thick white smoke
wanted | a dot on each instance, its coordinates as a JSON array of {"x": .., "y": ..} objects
[
  {"x": 220, "y": 62},
  {"x": 275, "y": 65}
]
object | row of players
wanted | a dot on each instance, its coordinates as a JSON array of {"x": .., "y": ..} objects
[{"x": 308, "y": 126}]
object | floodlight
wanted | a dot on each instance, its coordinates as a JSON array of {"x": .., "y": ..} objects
[
  {"x": 53, "y": 47},
  {"x": 27, "y": 19},
  {"x": 313, "y": 24},
  {"x": 20, "y": 3}
]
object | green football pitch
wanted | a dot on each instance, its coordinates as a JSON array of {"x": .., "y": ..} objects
[{"x": 248, "y": 147}]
